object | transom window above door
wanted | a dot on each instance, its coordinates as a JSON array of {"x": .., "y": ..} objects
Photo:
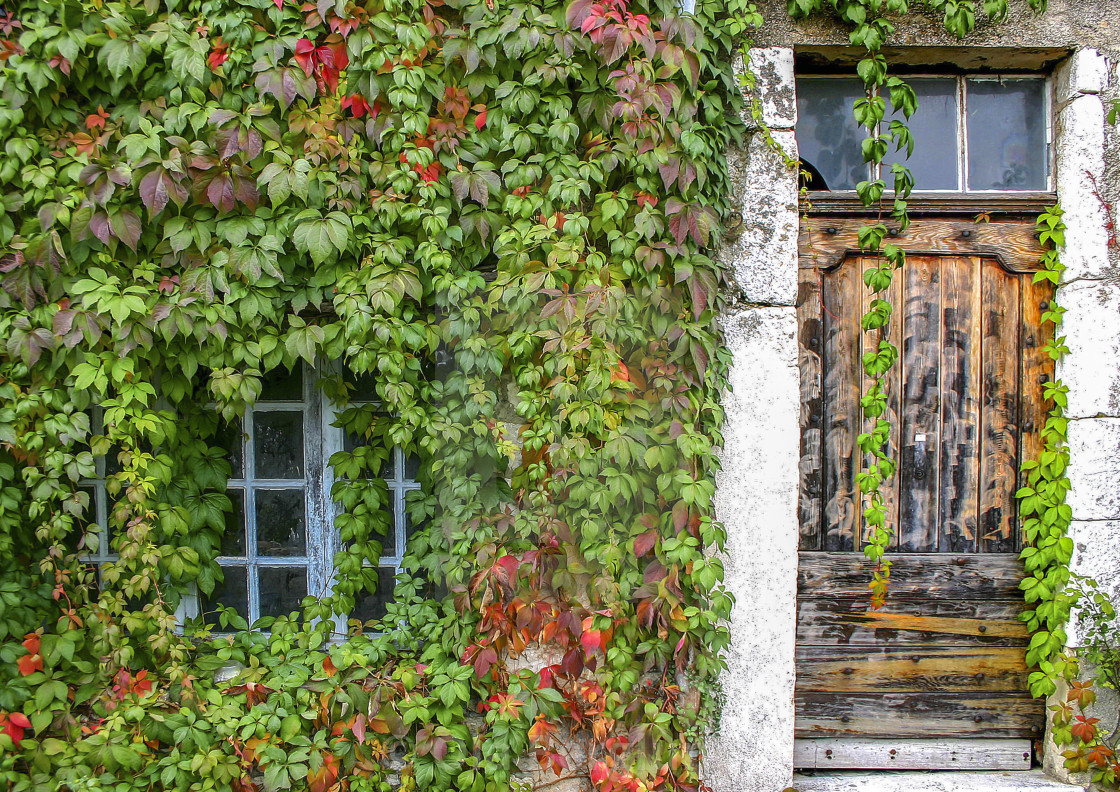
[{"x": 971, "y": 134}]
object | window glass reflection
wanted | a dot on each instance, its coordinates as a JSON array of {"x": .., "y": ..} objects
[
  {"x": 828, "y": 136},
  {"x": 1006, "y": 134},
  {"x": 934, "y": 129}
]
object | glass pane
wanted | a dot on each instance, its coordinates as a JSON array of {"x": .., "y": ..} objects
[
  {"x": 282, "y": 590},
  {"x": 1006, "y": 134},
  {"x": 278, "y": 439},
  {"x": 363, "y": 387},
  {"x": 828, "y": 136},
  {"x": 283, "y": 385},
  {"x": 281, "y": 528},
  {"x": 372, "y": 606},
  {"x": 934, "y": 127},
  {"x": 389, "y": 540},
  {"x": 411, "y": 467},
  {"x": 229, "y": 438},
  {"x": 233, "y": 540},
  {"x": 233, "y": 593}
]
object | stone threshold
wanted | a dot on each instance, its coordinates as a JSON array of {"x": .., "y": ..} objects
[{"x": 931, "y": 781}]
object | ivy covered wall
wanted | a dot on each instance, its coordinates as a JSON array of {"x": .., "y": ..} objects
[{"x": 496, "y": 218}]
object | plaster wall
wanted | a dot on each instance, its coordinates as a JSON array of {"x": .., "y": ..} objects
[{"x": 757, "y": 489}]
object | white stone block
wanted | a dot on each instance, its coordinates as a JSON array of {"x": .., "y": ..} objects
[
  {"x": 1083, "y": 72},
  {"x": 1092, "y": 331},
  {"x": 1080, "y": 160},
  {"x": 774, "y": 92},
  {"x": 756, "y": 498},
  {"x": 761, "y": 251},
  {"x": 1096, "y": 553},
  {"x": 1094, "y": 470}
]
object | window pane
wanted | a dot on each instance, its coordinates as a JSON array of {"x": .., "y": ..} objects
[
  {"x": 282, "y": 590},
  {"x": 278, "y": 439},
  {"x": 281, "y": 528},
  {"x": 1006, "y": 134},
  {"x": 283, "y": 385},
  {"x": 233, "y": 540},
  {"x": 230, "y": 439},
  {"x": 411, "y": 467},
  {"x": 934, "y": 127},
  {"x": 372, "y": 606},
  {"x": 363, "y": 386},
  {"x": 828, "y": 136},
  {"x": 232, "y": 593}
]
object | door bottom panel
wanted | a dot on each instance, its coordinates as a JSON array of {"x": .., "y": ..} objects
[{"x": 897, "y": 754}]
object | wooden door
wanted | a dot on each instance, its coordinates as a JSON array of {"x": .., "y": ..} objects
[{"x": 937, "y": 677}]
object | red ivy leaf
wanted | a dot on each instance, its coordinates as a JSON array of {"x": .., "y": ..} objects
[
  {"x": 480, "y": 120},
  {"x": 305, "y": 56},
  {"x": 29, "y": 664},
  {"x": 645, "y": 542},
  {"x": 599, "y": 772}
]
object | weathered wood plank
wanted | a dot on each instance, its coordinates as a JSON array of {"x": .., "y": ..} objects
[
  {"x": 841, "y": 411},
  {"x": 1035, "y": 368},
  {"x": 891, "y": 384},
  {"x": 959, "y": 500},
  {"x": 999, "y": 432},
  {"x": 904, "y": 715},
  {"x": 810, "y": 336},
  {"x": 920, "y": 460},
  {"x": 906, "y": 669},
  {"x": 1013, "y": 243},
  {"x": 913, "y": 576},
  {"x": 853, "y": 753},
  {"x": 848, "y": 622}
]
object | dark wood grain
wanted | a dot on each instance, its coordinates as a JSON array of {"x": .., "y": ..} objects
[
  {"x": 849, "y": 622},
  {"x": 902, "y": 715},
  {"x": 913, "y": 576},
  {"x": 827, "y": 241},
  {"x": 999, "y": 431},
  {"x": 839, "y": 313},
  {"x": 959, "y": 499},
  {"x": 906, "y": 669},
  {"x": 920, "y": 460},
  {"x": 810, "y": 337}
]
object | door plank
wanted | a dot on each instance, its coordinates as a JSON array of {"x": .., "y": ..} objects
[
  {"x": 853, "y": 753},
  {"x": 840, "y": 290},
  {"x": 848, "y": 622},
  {"x": 952, "y": 669},
  {"x": 999, "y": 434},
  {"x": 921, "y": 406},
  {"x": 913, "y": 576},
  {"x": 891, "y": 384},
  {"x": 959, "y": 501},
  {"x": 1035, "y": 368},
  {"x": 904, "y": 715},
  {"x": 810, "y": 336}
]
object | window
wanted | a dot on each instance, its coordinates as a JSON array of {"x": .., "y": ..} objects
[
  {"x": 971, "y": 133},
  {"x": 280, "y": 538}
]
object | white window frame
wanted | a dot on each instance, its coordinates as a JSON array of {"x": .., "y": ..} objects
[{"x": 876, "y": 170}]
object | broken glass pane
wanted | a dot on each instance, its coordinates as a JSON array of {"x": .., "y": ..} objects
[{"x": 828, "y": 136}]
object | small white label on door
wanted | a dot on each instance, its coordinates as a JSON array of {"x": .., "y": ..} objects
[{"x": 919, "y": 438}]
